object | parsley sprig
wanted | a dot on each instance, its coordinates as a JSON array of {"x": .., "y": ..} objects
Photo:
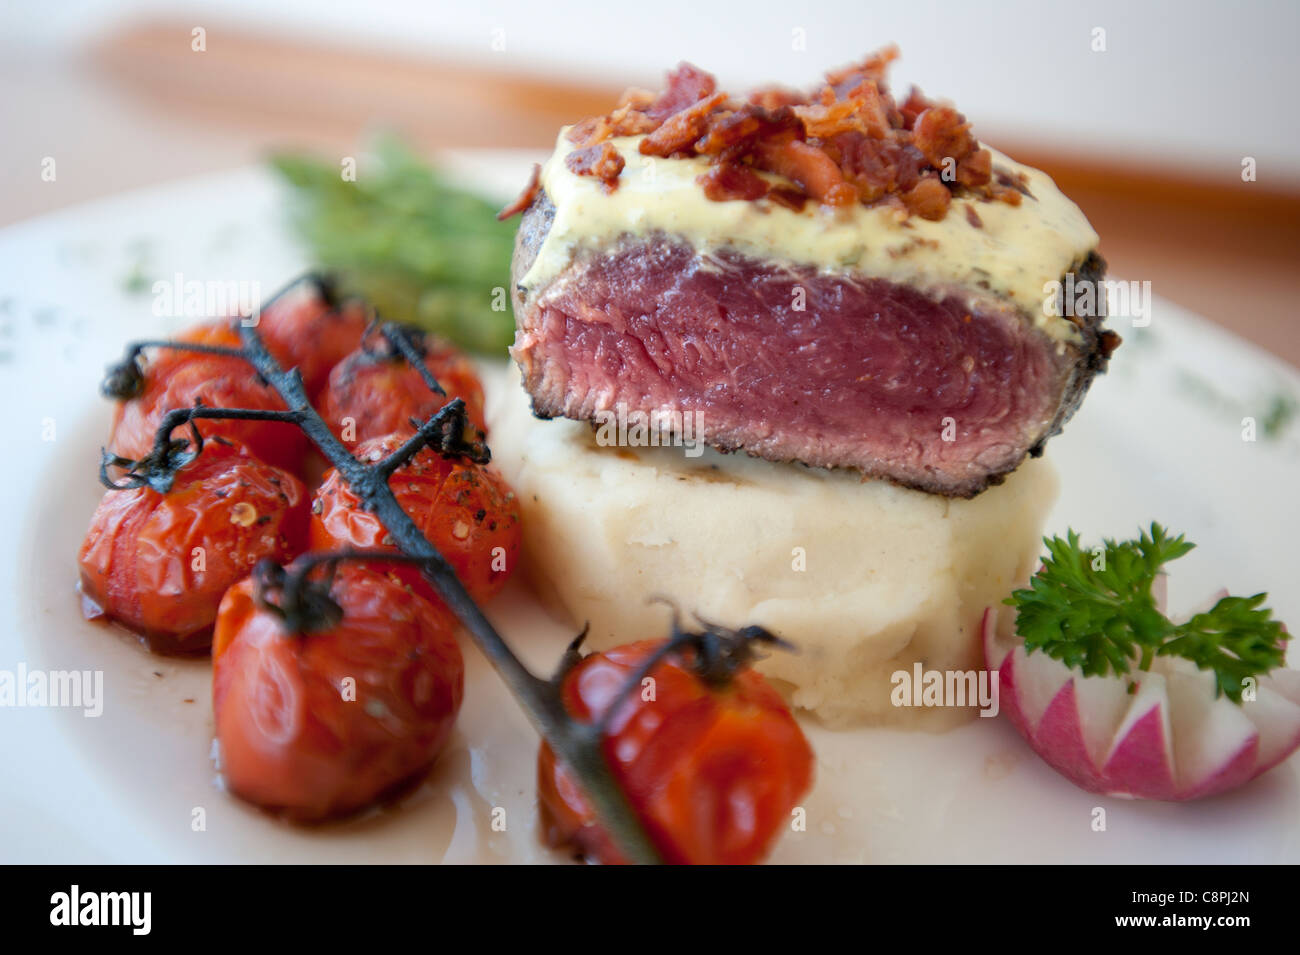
[{"x": 1094, "y": 610}]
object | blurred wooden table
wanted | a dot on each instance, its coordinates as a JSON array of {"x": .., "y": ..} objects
[{"x": 142, "y": 107}]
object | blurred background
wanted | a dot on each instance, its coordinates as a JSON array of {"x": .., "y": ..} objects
[{"x": 1145, "y": 113}]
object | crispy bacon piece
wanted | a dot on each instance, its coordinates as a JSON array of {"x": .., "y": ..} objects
[
  {"x": 877, "y": 167},
  {"x": 731, "y": 180},
  {"x": 849, "y": 141},
  {"x": 808, "y": 166},
  {"x": 788, "y": 196},
  {"x": 975, "y": 169},
  {"x": 774, "y": 97},
  {"x": 680, "y": 130},
  {"x": 627, "y": 120},
  {"x": 526, "y": 197},
  {"x": 634, "y": 97},
  {"x": 732, "y": 134},
  {"x": 601, "y": 160},
  {"x": 687, "y": 85},
  {"x": 928, "y": 199},
  {"x": 864, "y": 112},
  {"x": 846, "y": 80},
  {"x": 582, "y": 131},
  {"x": 728, "y": 131},
  {"x": 941, "y": 133},
  {"x": 589, "y": 132},
  {"x": 826, "y": 120},
  {"x": 912, "y": 107}
]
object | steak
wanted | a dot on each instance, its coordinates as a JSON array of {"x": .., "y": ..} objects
[{"x": 943, "y": 391}]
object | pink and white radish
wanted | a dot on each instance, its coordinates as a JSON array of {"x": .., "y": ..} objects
[{"x": 1171, "y": 738}]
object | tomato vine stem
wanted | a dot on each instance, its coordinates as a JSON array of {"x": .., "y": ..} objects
[{"x": 578, "y": 744}]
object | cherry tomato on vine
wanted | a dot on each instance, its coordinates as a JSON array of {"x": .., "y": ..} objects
[
  {"x": 713, "y": 771},
  {"x": 303, "y": 330},
  {"x": 159, "y": 563},
  {"x": 322, "y": 723},
  {"x": 466, "y": 510},
  {"x": 375, "y": 391},
  {"x": 180, "y": 379},
  {"x": 300, "y": 328}
]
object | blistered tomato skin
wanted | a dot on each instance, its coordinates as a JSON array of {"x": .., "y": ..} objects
[
  {"x": 159, "y": 563},
  {"x": 322, "y": 724},
  {"x": 466, "y": 510},
  {"x": 180, "y": 379},
  {"x": 303, "y": 331},
  {"x": 371, "y": 395},
  {"x": 300, "y": 329},
  {"x": 713, "y": 773}
]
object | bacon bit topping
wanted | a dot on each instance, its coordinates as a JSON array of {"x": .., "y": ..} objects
[
  {"x": 975, "y": 169},
  {"x": 526, "y": 197},
  {"x": 729, "y": 131},
  {"x": 634, "y": 97},
  {"x": 912, "y": 107},
  {"x": 788, "y": 197},
  {"x": 732, "y": 180},
  {"x": 941, "y": 134},
  {"x": 830, "y": 119},
  {"x": 774, "y": 97},
  {"x": 847, "y": 79},
  {"x": 627, "y": 120},
  {"x": 687, "y": 85},
  {"x": 973, "y": 218},
  {"x": 680, "y": 130},
  {"x": 847, "y": 142},
  {"x": 601, "y": 160},
  {"x": 928, "y": 199},
  {"x": 589, "y": 131},
  {"x": 808, "y": 167}
]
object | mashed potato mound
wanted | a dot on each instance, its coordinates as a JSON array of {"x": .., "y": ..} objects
[{"x": 863, "y": 577}]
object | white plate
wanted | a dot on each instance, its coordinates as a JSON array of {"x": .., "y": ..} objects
[{"x": 1160, "y": 437}]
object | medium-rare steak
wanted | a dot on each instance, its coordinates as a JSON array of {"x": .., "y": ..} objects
[
  {"x": 929, "y": 392},
  {"x": 913, "y": 337}
]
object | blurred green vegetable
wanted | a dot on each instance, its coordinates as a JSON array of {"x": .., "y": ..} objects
[{"x": 418, "y": 249}]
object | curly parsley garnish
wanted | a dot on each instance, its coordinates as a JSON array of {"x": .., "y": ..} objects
[{"x": 1093, "y": 610}]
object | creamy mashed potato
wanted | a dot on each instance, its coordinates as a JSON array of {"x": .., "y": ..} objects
[{"x": 864, "y": 577}]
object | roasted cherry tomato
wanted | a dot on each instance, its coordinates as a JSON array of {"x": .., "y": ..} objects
[
  {"x": 180, "y": 379},
  {"x": 713, "y": 772},
  {"x": 375, "y": 391},
  {"x": 300, "y": 328},
  {"x": 322, "y": 723},
  {"x": 466, "y": 510},
  {"x": 159, "y": 563},
  {"x": 161, "y": 363}
]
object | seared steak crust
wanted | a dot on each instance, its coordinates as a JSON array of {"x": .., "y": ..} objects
[{"x": 937, "y": 391}]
